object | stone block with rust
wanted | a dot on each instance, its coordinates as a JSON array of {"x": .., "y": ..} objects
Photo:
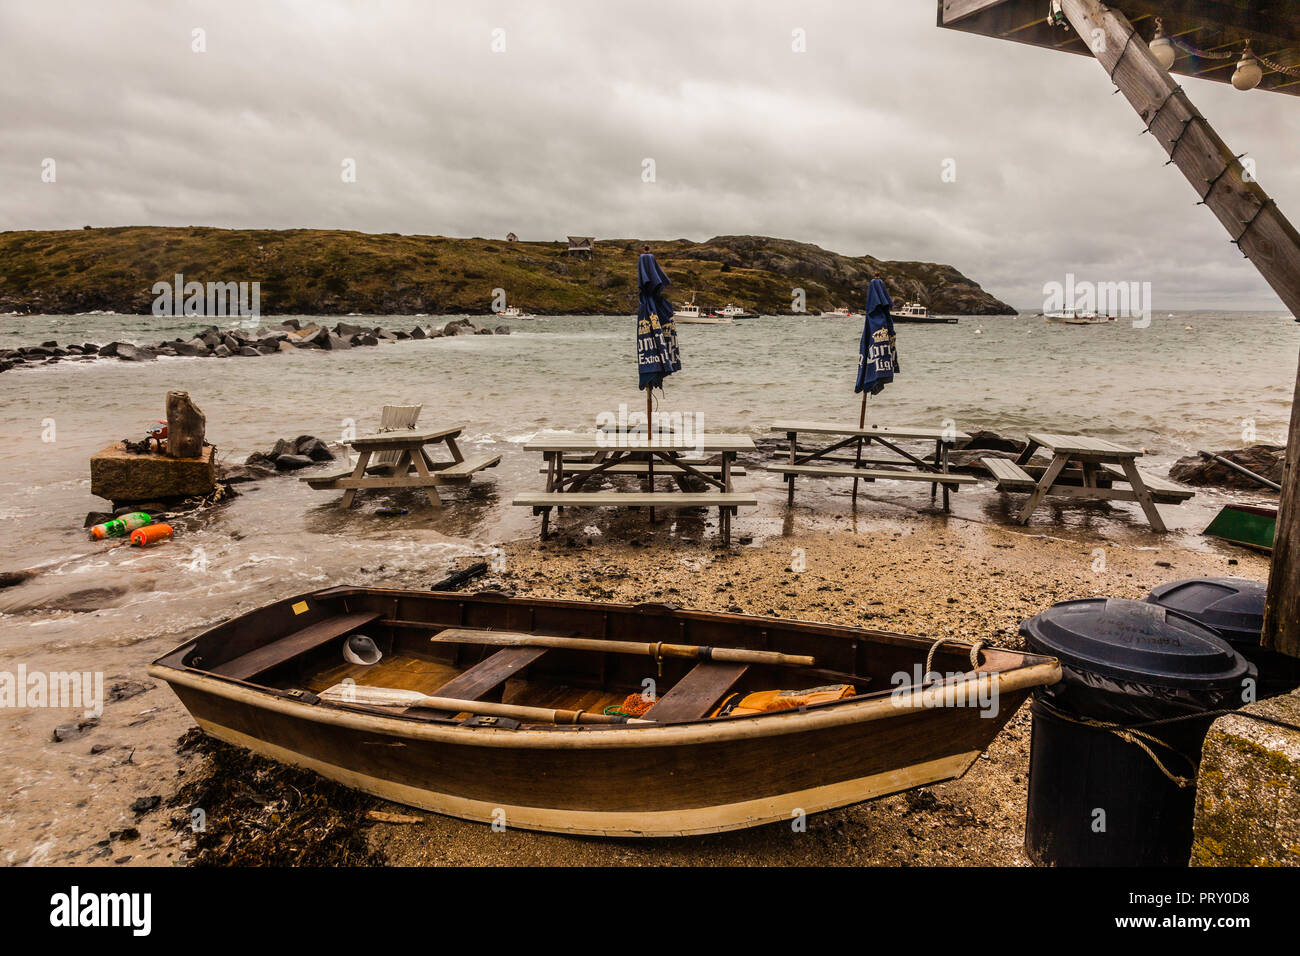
[
  {"x": 120, "y": 476},
  {"x": 1248, "y": 789}
]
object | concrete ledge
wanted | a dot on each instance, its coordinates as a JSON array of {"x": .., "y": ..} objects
[
  {"x": 120, "y": 476},
  {"x": 1248, "y": 790}
]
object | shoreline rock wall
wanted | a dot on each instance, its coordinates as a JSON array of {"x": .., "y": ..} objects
[{"x": 212, "y": 342}]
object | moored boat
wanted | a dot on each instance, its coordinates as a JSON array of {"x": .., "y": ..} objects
[
  {"x": 733, "y": 312},
  {"x": 689, "y": 314},
  {"x": 840, "y": 313},
  {"x": 533, "y": 712},
  {"x": 516, "y": 313},
  {"x": 915, "y": 312}
]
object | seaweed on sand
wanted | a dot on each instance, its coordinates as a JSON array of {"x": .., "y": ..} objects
[{"x": 260, "y": 813}]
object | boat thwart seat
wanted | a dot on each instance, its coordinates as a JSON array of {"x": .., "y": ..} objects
[
  {"x": 262, "y": 659},
  {"x": 692, "y": 697}
]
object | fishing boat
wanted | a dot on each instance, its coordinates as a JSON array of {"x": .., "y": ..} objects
[
  {"x": 840, "y": 313},
  {"x": 915, "y": 312},
  {"x": 524, "y": 712},
  {"x": 516, "y": 313},
  {"x": 733, "y": 312},
  {"x": 1071, "y": 317},
  {"x": 1248, "y": 525},
  {"x": 689, "y": 314}
]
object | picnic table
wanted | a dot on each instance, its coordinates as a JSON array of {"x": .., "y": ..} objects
[
  {"x": 1083, "y": 467},
  {"x": 904, "y": 466},
  {"x": 664, "y": 455},
  {"x": 412, "y": 467}
]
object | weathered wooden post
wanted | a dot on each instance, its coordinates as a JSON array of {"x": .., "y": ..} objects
[
  {"x": 1253, "y": 221},
  {"x": 186, "y": 425}
]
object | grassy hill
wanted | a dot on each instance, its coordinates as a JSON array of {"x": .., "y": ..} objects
[{"x": 331, "y": 272}]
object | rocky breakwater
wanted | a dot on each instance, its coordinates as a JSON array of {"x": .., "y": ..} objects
[{"x": 213, "y": 342}]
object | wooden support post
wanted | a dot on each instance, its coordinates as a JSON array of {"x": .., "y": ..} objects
[
  {"x": 185, "y": 427},
  {"x": 1253, "y": 222}
]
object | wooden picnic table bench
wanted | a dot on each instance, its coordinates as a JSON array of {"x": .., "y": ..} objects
[
  {"x": 906, "y": 466},
  {"x": 663, "y": 454},
  {"x": 413, "y": 467},
  {"x": 1082, "y": 466}
]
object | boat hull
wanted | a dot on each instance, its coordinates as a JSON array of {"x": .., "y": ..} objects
[
  {"x": 682, "y": 778},
  {"x": 676, "y": 788}
]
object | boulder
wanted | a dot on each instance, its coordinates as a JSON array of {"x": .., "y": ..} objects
[
  {"x": 130, "y": 353},
  {"x": 347, "y": 329},
  {"x": 502, "y": 330},
  {"x": 482, "y": 331},
  {"x": 230, "y": 342},
  {"x": 315, "y": 339},
  {"x": 293, "y": 462},
  {"x": 248, "y": 351},
  {"x": 993, "y": 442},
  {"x": 314, "y": 448},
  {"x": 283, "y": 447},
  {"x": 336, "y": 342},
  {"x": 221, "y": 351},
  {"x": 1265, "y": 460},
  {"x": 194, "y": 347},
  {"x": 367, "y": 340},
  {"x": 418, "y": 333}
]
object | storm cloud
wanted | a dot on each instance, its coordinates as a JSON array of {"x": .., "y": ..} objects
[{"x": 475, "y": 119}]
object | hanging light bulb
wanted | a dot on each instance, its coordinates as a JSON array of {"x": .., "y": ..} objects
[
  {"x": 1248, "y": 73},
  {"x": 1162, "y": 48}
]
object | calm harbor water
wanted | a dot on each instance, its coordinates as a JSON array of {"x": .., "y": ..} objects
[{"x": 1167, "y": 388}]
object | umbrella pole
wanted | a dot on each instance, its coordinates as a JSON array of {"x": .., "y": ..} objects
[
  {"x": 650, "y": 460},
  {"x": 862, "y": 423}
]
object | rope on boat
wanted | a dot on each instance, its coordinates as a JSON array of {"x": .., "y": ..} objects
[{"x": 929, "y": 658}]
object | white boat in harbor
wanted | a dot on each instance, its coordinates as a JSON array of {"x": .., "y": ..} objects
[
  {"x": 515, "y": 313},
  {"x": 734, "y": 312},
  {"x": 912, "y": 310},
  {"x": 689, "y": 314},
  {"x": 840, "y": 313},
  {"x": 1071, "y": 317}
]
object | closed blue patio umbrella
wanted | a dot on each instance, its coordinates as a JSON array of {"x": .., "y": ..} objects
[
  {"x": 877, "y": 355},
  {"x": 656, "y": 336}
]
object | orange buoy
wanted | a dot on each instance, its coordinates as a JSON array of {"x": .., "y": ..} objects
[{"x": 154, "y": 533}]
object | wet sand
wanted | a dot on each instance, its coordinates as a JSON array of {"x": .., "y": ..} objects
[{"x": 912, "y": 571}]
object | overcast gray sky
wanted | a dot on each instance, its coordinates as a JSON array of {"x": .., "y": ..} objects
[{"x": 841, "y": 145}]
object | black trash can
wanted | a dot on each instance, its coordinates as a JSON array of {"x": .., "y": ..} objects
[
  {"x": 1234, "y": 608},
  {"x": 1094, "y": 798}
]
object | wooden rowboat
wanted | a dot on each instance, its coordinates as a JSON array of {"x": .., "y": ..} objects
[{"x": 495, "y": 708}]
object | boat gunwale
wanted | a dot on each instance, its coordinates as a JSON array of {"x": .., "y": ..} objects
[{"x": 1011, "y": 671}]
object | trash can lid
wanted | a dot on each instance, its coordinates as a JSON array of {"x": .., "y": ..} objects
[
  {"x": 1232, "y": 606},
  {"x": 1134, "y": 641}
]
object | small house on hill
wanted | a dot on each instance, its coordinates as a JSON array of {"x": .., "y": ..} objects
[
  {"x": 511, "y": 237},
  {"x": 581, "y": 246}
]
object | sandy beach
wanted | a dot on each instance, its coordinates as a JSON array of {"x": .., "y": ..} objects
[{"x": 93, "y": 801}]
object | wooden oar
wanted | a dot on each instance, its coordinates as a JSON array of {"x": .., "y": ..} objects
[
  {"x": 394, "y": 697},
  {"x": 731, "y": 655}
]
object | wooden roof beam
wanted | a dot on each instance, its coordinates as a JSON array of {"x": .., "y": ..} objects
[{"x": 1253, "y": 222}]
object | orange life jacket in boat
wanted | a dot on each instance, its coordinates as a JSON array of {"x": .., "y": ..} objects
[{"x": 766, "y": 701}]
